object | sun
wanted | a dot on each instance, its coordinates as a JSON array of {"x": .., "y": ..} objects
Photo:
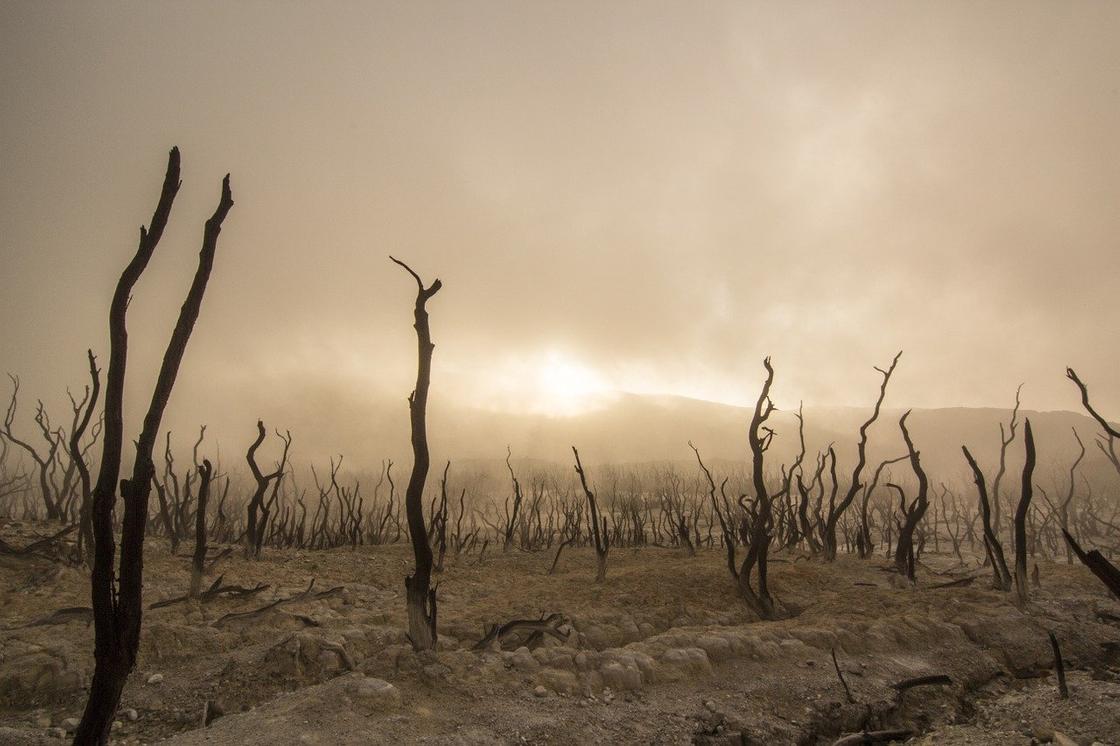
[
  {"x": 566, "y": 386},
  {"x": 548, "y": 381}
]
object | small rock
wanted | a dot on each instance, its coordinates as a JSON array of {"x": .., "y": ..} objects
[
  {"x": 540, "y": 691},
  {"x": 69, "y": 725},
  {"x": 523, "y": 660},
  {"x": 710, "y": 705},
  {"x": 131, "y": 715},
  {"x": 43, "y": 721},
  {"x": 377, "y": 694},
  {"x": 156, "y": 678},
  {"x": 1043, "y": 733},
  {"x": 117, "y": 725}
]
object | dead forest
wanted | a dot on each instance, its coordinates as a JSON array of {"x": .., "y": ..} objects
[{"x": 217, "y": 527}]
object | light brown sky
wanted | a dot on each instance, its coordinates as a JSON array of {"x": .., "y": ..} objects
[{"x": 643, "y": 196}]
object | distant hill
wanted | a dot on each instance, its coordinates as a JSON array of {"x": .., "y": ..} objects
[
  {"x": 657, "y": 428},
  {"x": 637, "y": 428}
]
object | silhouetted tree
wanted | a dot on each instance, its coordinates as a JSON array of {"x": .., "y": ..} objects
[
  {"x": 994, "y": 550},
  {"x": 257, "y": 511},
  {"x": 598, "y": 524},
  {"x": 421, "y": 597},
  {"x": 1108, "y": 447},
  {"x": 1021, "y": 516},
  {"x": 198, "y": 560},
  {"x": 77, "y": 456},
  {"x": 117, "y": 610},
  {"x": 904, "y": 550},
  {"x": 855, "y": 486},
  {"x": 758, "y": 528},
  {"x": 46, "y": 460},
  {"x": 511, "y": 515}
]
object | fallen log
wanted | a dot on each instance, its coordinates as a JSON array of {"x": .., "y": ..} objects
[
  {"x": 37, "y": 547},
  {"x": 959, "y": 583},
  {"x": 304, "y": 595},
  {"x": 62, "y": 616},
  {"x": 934, "y": 680},
  {"x": 1097, "y": 564},
  {"x": 215, "y": 590},
  {"x": 875, "y": 736},
  {"x": 546, "y": 625}
]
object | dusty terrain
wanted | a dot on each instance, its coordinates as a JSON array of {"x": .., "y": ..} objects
[{"x": 660, "y": 653}]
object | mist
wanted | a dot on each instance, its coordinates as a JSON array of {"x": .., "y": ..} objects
[{"x": 646, "y": 197}]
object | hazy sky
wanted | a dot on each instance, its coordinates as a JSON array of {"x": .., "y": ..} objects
[{"x": 642, "y": 196}]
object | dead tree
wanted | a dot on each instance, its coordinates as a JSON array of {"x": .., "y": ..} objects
[
  {"x": 1062, "y": 509},
  {"x": 1021, "y": 592},
  {"x": 421, "y": 597},
  {"x": 598, "y": 524},
  {"x": 904, "y": 550},
  {"x": 1006, "y": 438},
  {"x": 855, "y": 486},
  {"x": 117, "y": 607},
  {"x": 198, "y": 561},
  {"x": 864, "y": 545},
  {"x": 1105, "y": 571},
  {"x": 1108, "y": 448},
  {"x": 1001, "y": 575},
  {"x": 257, "y": 511},
  {"x": 511, "y": 516},
  {"x": 437, "y": 530},
  {"x": 759, "y": 532},
  {"x": 77, "y": 456},
  {"x": 45, "y": 461}
]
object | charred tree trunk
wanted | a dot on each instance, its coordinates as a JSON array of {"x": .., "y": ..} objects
[
  {"x": 1021, "y": 592},
  {"x": 855, "y": 486},
  {"x": 759, "y": 437},
  {"x": 598, "y": 527},
  {"x": 85, "y": 531},
  {"x": 198, "y": 561},
  {"x": 257, "y": 513},
  {"x": 904, "y": 552},
  {"x": 421, "y": 597},
  {"x": 992, "y": 546},
  {"x": 1105, "y": 571},
  {"x": 117, "y": 610},
  {"x": 511, "y": 518}
]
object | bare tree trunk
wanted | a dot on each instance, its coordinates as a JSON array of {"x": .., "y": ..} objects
[
  {"x": 198, "y": 561},
  {"x": 759, "y": 437},
  {"x": 904, "y": 553},
  {"x": 1002, "y": 576},
  {"x": 1021, "y": 592},
  {"x": 257, "y": 515},
  {"x": 118, "y": 613},
  {"x": 421, "y": 597},
  {"x": 598, "y": 525},
  {"x": 85, "y": 532},
  {"x": 855, "y": 486}
]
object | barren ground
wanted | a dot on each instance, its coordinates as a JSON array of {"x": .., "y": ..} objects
[{"x": 660, "y": 653}]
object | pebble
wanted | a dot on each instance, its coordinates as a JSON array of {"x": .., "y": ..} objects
[
  {"x": 156, "y": 678},
  {"x": 540, "y": 691},
  {"x": 131, "y": 715},
  {"x": 69, "y": 725}
]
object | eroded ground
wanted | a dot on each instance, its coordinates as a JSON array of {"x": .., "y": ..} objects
[{"x": 661, "y": 653}]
